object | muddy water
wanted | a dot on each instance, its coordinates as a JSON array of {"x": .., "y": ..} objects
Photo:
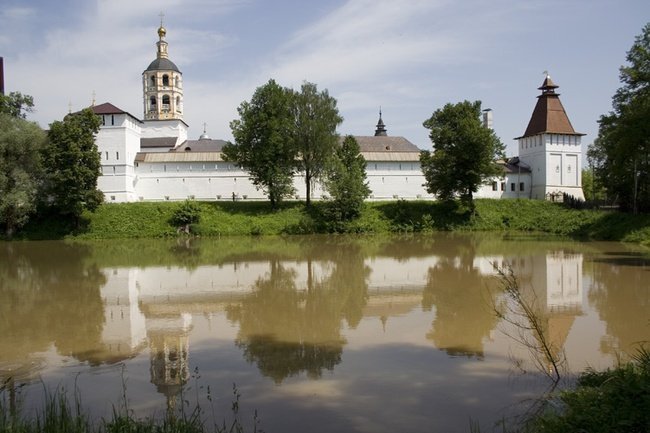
[{"x": 319, "y": 333}]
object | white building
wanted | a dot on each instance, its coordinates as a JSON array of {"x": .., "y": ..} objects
[{"x": 152, "y": 159}]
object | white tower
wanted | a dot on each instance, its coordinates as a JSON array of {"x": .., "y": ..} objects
[
  {"x": 162, "y": 85},
  {"x": 551, "y": 147}
]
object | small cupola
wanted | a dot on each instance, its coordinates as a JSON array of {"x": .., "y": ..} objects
[{"x": 381, "y": 128}]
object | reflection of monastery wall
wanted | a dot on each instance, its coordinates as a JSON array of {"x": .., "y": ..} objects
[{"x": 556, "y": 277}]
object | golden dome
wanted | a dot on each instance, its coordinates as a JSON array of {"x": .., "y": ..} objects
[{"x": 162, "y": 31}]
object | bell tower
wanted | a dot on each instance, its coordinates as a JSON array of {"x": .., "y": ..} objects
[{"x": 162, "y": 84}]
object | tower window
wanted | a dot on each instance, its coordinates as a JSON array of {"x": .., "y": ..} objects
[
  {"x": 153, "y": 81},
  {"x": 165, "y": 102},
  {"x": 152, "y": 102},
  {"x": 165, "y": 80}
]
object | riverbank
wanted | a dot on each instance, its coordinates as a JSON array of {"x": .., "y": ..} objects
[{"x": 152, "y": 219}]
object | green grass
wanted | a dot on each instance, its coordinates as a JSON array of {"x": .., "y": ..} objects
[
  {"x": 616, "y": 400},
  {"x": 153, "y": 220},
  {"x": 60, "y": 414}
]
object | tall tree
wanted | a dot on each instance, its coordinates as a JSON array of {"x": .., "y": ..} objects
[
  {"x": 316, "y": 119},
  {"x": 16, "y": 104},
  {"x": 464, "y": 151},
  {"x": 73, "y": 164},
  {"x": 346, "y": 180},
  {"x": 621, "y": 153},
  {"x": 20, "y": 170},
  {"x": 263, "y": 144}
]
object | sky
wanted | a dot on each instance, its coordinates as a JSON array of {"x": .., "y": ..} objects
[{"x": 409, "y": 57}]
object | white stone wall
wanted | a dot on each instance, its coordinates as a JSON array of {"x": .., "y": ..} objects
[
  {"x": 118, "y": 142},
  {"x": 556, "y": 164}
]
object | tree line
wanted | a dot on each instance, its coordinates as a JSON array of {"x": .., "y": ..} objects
[
  {"x": 619, "y": 158},
  {"x": 281, "y": 132},
  {"x": 47, "y": 174}
]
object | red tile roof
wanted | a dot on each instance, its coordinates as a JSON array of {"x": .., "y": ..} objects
[{"x": 549, "y": 115}]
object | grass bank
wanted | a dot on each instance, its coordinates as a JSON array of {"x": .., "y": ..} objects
[
  {"x": 615, "y": 400},
  {"x": 152, "y": 219}
]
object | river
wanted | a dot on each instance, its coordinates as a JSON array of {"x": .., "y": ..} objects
[{"x": 318, "y": 333}]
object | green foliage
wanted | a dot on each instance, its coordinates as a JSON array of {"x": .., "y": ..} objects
[
  {"x": 621, "y": 153},
  {"x": 73, "y": 164},
  {"x": 593, "y": 187},
  {"x": 316, "y": 118},
  {"x": 463, "y": 152},
  {"x": 20, "y": 170},
  {"x": 225, "y": 218},
  {"x": 186, "y": 214},
  {"x": 346, "y": 182},
  {"x": 60, "y": 415},
  {"x": 15, "y": 104},
  {"x": 262, "y": 141},
  {"x": 615, "y": 400}
]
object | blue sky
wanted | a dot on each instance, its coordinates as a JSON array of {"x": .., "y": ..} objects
[{"x": 409, "y": 57}]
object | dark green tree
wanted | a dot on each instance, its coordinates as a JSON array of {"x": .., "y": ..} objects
[
  {"x": 20, "y": 170},
  {"x": 316, "y": 118},
  {"x": 346, "y": 180},
  {"x": 464, "y": 152},
  {"x": 621, "y": 153},
  {"x": 263, "y": 144},
  {"x": 73, "y": 164},
  {"x": 16, "y": 104}
]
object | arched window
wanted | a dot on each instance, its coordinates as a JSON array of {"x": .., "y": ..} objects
[
  {"x": 165, "y": 80},
  {"x": 178, "y": 103},
  {"x": 152, "y": 102},
  {"x": 153, "y": 81},
  {"x": 165, "y": 103}
]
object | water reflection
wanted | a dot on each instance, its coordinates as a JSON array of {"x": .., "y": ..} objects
[
  {"x": 456, "y": 287},
  {"x": 297, "y": 303}
]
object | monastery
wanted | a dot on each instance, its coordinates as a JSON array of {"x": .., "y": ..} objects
[{"x": 153, "y": 159}]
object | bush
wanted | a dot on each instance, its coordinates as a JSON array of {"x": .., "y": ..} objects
[
  {"x": 615, "y": 400},
  {"x": 186, "y": 214}
]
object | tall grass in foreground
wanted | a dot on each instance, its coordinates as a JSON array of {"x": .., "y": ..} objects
[
  {"x": 615, "y": 400},
  {"x": 60, "y": 414}
]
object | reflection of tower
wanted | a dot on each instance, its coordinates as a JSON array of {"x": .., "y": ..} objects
[
  {"x": 123, "y": 333},
  {"x": 558, "y": 289},
  {"x": 169, "y": 354}
]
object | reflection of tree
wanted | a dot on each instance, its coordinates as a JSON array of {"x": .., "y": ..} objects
[
  {"x": 187, "y": 252},
  {"x": 50, "y": 294},
  {"x": 347, "y": 284},
  {"x": 286, "y": 331},
  {"x": 463, "y": 314},
  {"x": 620, "y": 294}
]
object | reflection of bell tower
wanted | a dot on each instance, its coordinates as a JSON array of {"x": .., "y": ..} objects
[
  {"x": 162, "y": 85},
  {"x": 169, "y": 355}
]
